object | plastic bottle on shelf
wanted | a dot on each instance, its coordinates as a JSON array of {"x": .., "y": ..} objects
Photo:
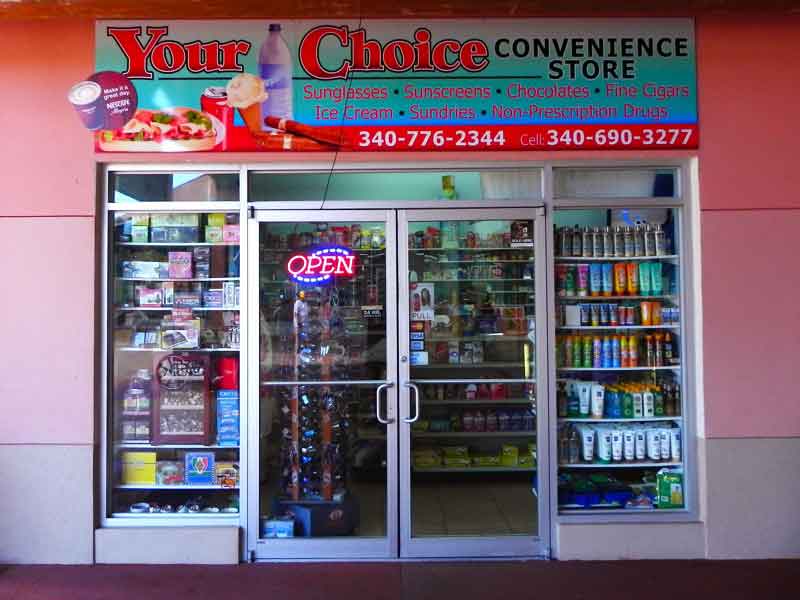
[
  {"x": 608, "y": 241},
  {"x": 574, "y": 446},
  {"x": 577, "y": 242},
  {"x": 586, "y": 243},
  {"x": 633, "y": 351},
  {"x": 649, "y": 240},
  {"x": 619, "y": 242},
  {"x": 638, "y": 240},
  {"x": 624, "y": 356},
  {"x": 660, "y": 241},
  {"x": 629, "y": 243},
  {"x": 597, "y": 242}
]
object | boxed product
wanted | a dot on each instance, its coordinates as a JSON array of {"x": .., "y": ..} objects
[
  {"x": 149, "y": 297},
  {"x": 138, "y": 468},
  {"x": 140, "y": 220},
  {"x": 227, "y": 417},
  {"x": 177, "y": 235},
  {"x": 169, "y": 472},
  {"x": 188, "y": 299},
  {"x": 426, "y": 458},
  {"x": 169, "y": 293},
  {"x": 212, "y": 298},
  {"x": 277, "y": 527},
  {"x": 180, "y": 334},
  {"x": 324, "y": 518},
  {"x": 669, "y": 487},
  {"x": 226, "y": 474},
  {"x": 135, "y": 428},
  {"x": 486, "y": 460},
  {"x": 229, "y": 294},
  {"x": 216, "y": 220},
  {"x": 175, "y": 220},
  {"x": 144, "y": 269},
  {"x": 509, "y": 456},
  {"x": 199, "y": 468},
  {"x": 213, "y": 234},
  {"x": 230, "y": 233},
  {"x": 139, "y": 233},
  {"x": 180, "y": 265}
]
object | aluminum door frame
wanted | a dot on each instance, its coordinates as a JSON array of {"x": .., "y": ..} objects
[
  {"x": 333, "y": 548},
  {"x": 511, "y": 546}
]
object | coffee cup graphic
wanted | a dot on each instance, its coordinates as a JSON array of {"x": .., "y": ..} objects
[{"x": 86, "y": 98}]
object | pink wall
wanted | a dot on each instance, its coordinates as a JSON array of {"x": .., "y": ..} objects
[
  {"x": 47, "y": 364},
  {"x": 746, "y": 168},
  {"x": 749, "y": 182}
]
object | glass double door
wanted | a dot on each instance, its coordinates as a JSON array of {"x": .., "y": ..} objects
[{"x": 397, "y": 373}]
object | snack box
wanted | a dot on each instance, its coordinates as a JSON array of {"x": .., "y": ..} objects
[
  {"x": 140, "y": 233},
  {"x": 669, "y": 487},
  {"x": 180, "y": 265},
  {"x": 187, "y": 299},
  {"x": 149, "y": 297},
  {"x": 176, "y": 335},
  {"x": 175, "y": 220},
  {"x": 138, "y": 468},
  {"x": 175, "y": 234},
  {"x": 212, "y": 298},
  {"x": 213, "y": 235},
  {"x": 509, "y": 456},
  {"x": 486, "y": 460},
  {"x": 230, "y": 233},
  {"x": 456, "y": 462},
  {"x": 227, "y": 417},
  {"x": 143, "y": 269},
  {"x": 216, "y": 220},
  {"x": 140, "y": 220},
  {"x": 199, "y": 468},
  {"x": 226, "y": 474},
  {"x": 169, "y": 472}
]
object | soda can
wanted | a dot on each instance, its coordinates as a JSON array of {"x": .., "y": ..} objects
[{"x": 214, "y": 101}]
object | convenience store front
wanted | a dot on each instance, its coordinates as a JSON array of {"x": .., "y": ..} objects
[
  {"x": 377, "y": 290},
  {"x": 394, "y": 360}
]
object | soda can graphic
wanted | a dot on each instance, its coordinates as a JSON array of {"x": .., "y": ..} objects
[{"x": 214, "y": 101}]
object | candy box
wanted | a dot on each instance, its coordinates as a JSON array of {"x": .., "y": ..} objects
[
  {"x": 149, "y": 297},
  {"x": 216, "y": 220},
  {"x": 169, "y": 472},
  {"x": 509, "y": 456},
  {"x": 213, "y": 235},
  {"x": 226, "y": 474},
  {"x": 180, "y": 265},
  {"x": 230, "y": 233},
  {"x": 175, "y": 220},
  {"x": 139, "y": 233},
  {"x": 199, "y": 468},
  {"x": 138, "y": 468}
]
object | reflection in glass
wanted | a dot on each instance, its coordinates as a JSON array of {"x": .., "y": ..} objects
[
  {"x": 473, "y": 342},
  {"x": 174, "y": 187},
  {"x": 322, "y": 322}
]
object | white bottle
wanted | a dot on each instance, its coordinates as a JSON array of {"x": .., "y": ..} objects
[{"x": 275, "y": 68}]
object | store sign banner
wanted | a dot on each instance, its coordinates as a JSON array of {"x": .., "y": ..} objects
[{"x": 490, "y": 84}]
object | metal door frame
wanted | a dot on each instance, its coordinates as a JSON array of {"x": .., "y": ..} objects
[
  {"x": 322, "y": 548},
  {"x": 477, "y": 546}
]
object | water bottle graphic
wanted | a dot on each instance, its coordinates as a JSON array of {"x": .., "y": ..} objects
[{"x": 275, "y": 67}]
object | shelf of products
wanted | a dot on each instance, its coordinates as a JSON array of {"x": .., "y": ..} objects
[
  {"x": 619, "y": 402},
  {"x": 474, "y": 470},
  {"x": 472, "y": 434},
  {"x": 174, "y": 394}
]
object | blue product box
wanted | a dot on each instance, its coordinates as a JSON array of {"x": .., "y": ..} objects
[
  {"x": 323, "y": 518},
  {"x": 227, "y": 417},
  {"x": 177, "y": 234},
  {"x": 199, "y": 468},
  {"x": 233, "y": 261},
  {"x": 277, "y": 527}
]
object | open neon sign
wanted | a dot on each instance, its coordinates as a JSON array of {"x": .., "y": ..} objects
[{"x": 321, "y": 265}]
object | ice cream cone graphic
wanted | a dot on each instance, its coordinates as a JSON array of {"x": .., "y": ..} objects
[
  {"x": 252, "y": 116},
  {"x": 246, "y": 93}
]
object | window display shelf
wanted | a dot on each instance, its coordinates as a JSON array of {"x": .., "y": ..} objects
[
  {"x": 176, "y": 515},
  {"x": 495, "y": 280},
  {"x": 171, "y": 308},
  {"x": 474, "y": 469},
  {"x": 621, "y": 420},
  {"x": 674, "y": 326},
  {"x": 482, "y": 262},
  {"x": 177, "y": 279},
  {"x": 485, "y": 337},
  {"x": 170, "y": 244},
  {"x": 619, "y": 465},
  {"x": 475, "y": 402},
  {"x": 134, "y": 445},
  {"x": 130, "y": 349},
  {"x": 472, "y": 434},
  {"x": 136, "y": 486},
  {"x": 571, "y": 259},
  {"x": 483, "y": 365},
  {"x": 569, "y": 369},
  {"x": 562, "y": 299},
  {"x": 423, "y": 250},
  {"x": 616, "y": 511}
]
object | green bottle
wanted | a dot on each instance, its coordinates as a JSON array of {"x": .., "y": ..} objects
[
  {"x": 627, "y": 405},
  {"x": 659, "y": 403},
  {"x": 587, "y": 352}
]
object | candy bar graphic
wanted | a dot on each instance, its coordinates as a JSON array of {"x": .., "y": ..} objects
[{"x": 325, "y": 135}]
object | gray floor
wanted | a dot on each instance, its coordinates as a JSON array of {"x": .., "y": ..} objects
[{"x": 444, "y": 508}]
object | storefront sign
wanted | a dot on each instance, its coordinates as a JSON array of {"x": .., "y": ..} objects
[
  {"x": 321, "y": 265},
  {"x": 535, "y": 84}
]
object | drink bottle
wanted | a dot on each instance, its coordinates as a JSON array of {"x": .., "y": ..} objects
[{"x": 275, "y": 67}]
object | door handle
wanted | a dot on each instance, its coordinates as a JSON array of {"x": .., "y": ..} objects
[
  {"x": 381, "y": 387},
  {"x": 413, "y": 386}
]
